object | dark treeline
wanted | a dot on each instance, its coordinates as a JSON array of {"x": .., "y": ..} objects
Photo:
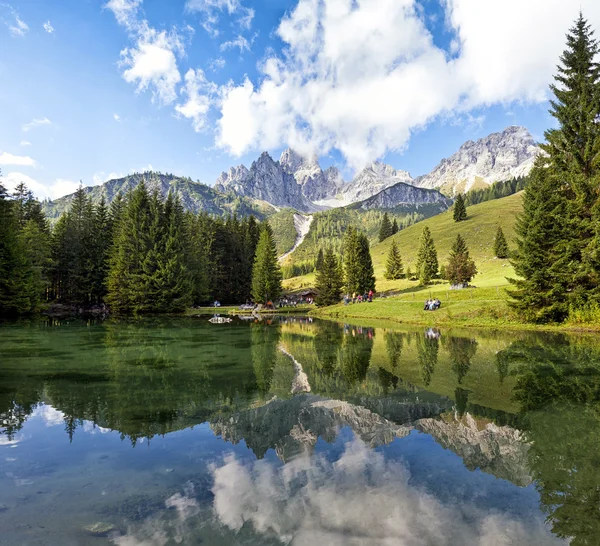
[
  {"x": 140, "y": 254},
  {"x": 496, "y": 191}
]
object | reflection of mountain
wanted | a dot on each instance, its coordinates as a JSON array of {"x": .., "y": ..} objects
[
  {"x": 500, "y": 451},
  {"x": 292, "y": 426}
]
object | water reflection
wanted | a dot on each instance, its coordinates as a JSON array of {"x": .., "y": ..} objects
[{"x": 300, "y": 421}]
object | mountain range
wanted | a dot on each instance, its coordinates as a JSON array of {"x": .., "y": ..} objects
[{"x": 300, "y": 183}]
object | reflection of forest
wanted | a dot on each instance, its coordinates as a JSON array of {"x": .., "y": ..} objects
[{"x": 472, "y": 393}]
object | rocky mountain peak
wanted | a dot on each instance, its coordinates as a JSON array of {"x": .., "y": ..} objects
[
  {"x": 291, "y": 161},
  {"x": 497, "y": 157}
]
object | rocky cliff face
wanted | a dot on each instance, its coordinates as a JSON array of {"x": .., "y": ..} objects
[
  {"x": 497, "y": 157},
  {"x": 497, "y": 450},
  {"x": 404, "y": 194}
]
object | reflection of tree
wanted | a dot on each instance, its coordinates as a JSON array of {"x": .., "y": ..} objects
[
  {"x": 461, "y": 396},
  {"x": 327, "y": 343},
  {"x": 558, "y": 386},
  {"x": 140, "y": 378},
  {"x": 265, "y": 339},
  {"x": 502, "y": 365},
  {"x": 461, "y": 350},
  {"x": 428, "y": 349},
  {"x": 387, "y": 380},
  {"x": 355, "y": 356},
  {"x": 393, "y": 344}
]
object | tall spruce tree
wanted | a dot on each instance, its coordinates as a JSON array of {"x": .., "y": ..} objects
[
  {"x": 427, "y": 259},
  {"x": 319, "y": 260},
  {"x": 461, "y": 267},
  {"x": 395, "y": 227},
  {"x": 394, "y": 268},
  {"x": 358, "y": 266},
  {"x": 385, "y": 230},
  {"x": 500, "y": 244},
  {"x": 460, "y": 209},
  {"x": 329, "y": 280},
  {"x": 558, "y": 231},
  {"x": 266, "y": 273}
]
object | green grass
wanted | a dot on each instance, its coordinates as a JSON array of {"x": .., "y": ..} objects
[{"x": 485, "y": 305}]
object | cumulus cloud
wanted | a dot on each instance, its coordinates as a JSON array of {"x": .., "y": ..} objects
[
  {"x": 361, "y": 499},
  {"x": 216, "y": 64},
  {"x": 37, "y": 122},
  {"x": 21, "y": 160},
  {"x": 116, "y": 117},
  {"x": 41, "y": 190},
  {"x": 151, "y": 62},
  {"x": 361, "y": 75},
  {"x": 48, "y": 27},
  {"x": 198, "y": 90},
  {"x": 101, "y": 177},
  {"x": 25, "y": 143}
]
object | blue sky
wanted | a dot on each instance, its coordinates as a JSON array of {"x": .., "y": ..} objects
[{"x": 93, "y": 89}]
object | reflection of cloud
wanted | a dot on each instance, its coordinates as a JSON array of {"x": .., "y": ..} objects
[
  {"x": 91, "y": 428},
  {"x": 4, "y": 441},
  {"x": 316, "y": 501},
  {"x": 52, "y": 417}
]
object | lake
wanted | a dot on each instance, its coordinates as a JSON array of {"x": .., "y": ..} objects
[{"x": 296, "y": 431}]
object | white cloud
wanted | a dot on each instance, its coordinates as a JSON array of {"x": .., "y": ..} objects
[
  {"x": 21, "y": 160},
  {"x": 362, "y": 495},
  {"x": 35, "y": 123},
  {"x": 48, "y": 27},
  {"x": 216, "y": 64},
  {"x": 16, "y": 26},
  {"x": 151, "y": 63},
  {"x": 210, "y": 11},
  {"x": 101, "y": 177},
  {"x": 361, "y": 75},
  {"x": 198, "y": 91},
  {"x": 51, "y": 190},
  {"x": 25, "y": 143},
  {"x": 51, "y": 417},
  {"x": 240, "y": 42},
  {"x": 117, "y": 117}
]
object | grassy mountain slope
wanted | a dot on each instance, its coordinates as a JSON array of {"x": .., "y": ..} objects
[
  {"x": 194, "y": 196},
  {"x": 478, "y": 230},
  {"x": 485, "y": 306},
  {"x": 328, "y": 227},
  {"x": 284, "y": 232}
]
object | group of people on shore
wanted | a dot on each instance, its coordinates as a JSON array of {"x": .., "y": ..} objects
[
  {"x": 358, "y": 298},
  {"x": 432, "y": 305}
]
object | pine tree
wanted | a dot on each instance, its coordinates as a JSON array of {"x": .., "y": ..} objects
[
  {"x": 394, "y": 269},
  {"x": 427, "y": 260},
  {"x": 395, "y": 227},
  {"x": 461, "y": 268},
  {"x": 15, "y": 272},
  {"x": 500, "y": 244},
  {"x": 367, "y": 273},
  {"x": 127, "y": 279},
  {"x": 385, "y": 230},
  {"x": 558, "y": 232},
  {"x": 329, "y": 281},
  {"x": 460, "y": 209},
  {"x": 319, "y": 261},
  {"x": 266, "y": 274}
]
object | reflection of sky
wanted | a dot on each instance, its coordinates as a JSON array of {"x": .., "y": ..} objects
[
  {"x": 411, "y": 492},
  {"x": 51, "y": 417},
  {"x": 362, "y": 494}
]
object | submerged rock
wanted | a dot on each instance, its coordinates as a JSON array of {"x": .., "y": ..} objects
[{"x": 100, "y": 529}]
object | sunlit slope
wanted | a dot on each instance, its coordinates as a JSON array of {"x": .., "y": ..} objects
[{"x": 478, "y": 230}]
